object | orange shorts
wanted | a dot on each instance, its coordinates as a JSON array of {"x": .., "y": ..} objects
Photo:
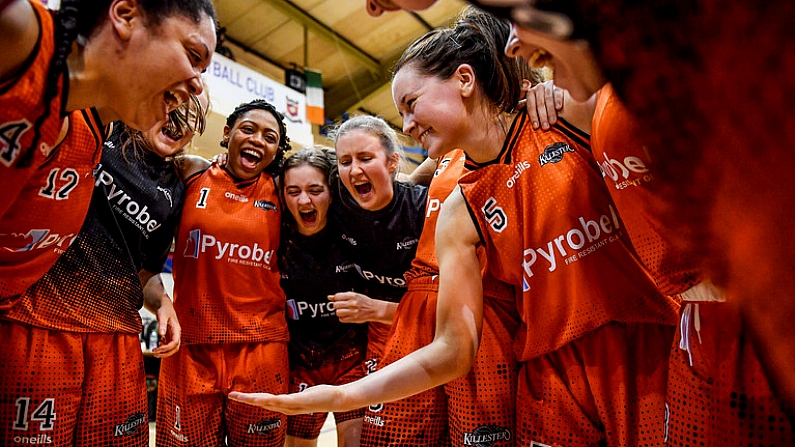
[
  {"x": 605, "y": 388},
  {"x": 481, "y": 405},
  {"x": 419, "y": 420},
  {"x": 192, "y": 408},
  {"x": 723, "y": 397},
  {"x": 71, "y": 388},
  {"x": 307, "y": 426}
]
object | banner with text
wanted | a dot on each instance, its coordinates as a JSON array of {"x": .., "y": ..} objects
[{"x": 232, "y": 84}]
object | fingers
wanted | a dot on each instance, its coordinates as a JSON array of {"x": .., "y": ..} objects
[
  {"x": 551, "y": 109},
  {"x": 257, "y": 399},
  {"x": 166, "y": 350}
]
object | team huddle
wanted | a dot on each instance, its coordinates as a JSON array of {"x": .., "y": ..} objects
[{"x": 527, "y": 285}]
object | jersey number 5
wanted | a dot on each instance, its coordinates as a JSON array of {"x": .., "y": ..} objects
[{"x": 495, "y": 215}]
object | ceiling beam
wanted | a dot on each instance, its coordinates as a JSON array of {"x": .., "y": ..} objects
[
  {"x": 346, "y": 95},
  {"x": 297, "y": 14}
]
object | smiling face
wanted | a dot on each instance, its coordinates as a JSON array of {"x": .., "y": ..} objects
[
  {"x": 365, "y": 169},
  {"x": 308, "y": 198},
  {"x": 164, "y": 142},
  {"x": 156, "y": 67},
  {"x": 433, "y": 110},
  {"x": 572, "y": 61},
  {"x": 253, "y": 143}
]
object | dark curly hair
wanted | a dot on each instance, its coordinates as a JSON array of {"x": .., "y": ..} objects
[{"x": 275, "y": 167}]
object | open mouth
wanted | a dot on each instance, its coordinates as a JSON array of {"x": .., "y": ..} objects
[
  {"x": 363, "y": 188},
  {"x": 539, "y": 59},
  {"x": 250, "y": 158},
  {"x": 171, "y": 99},
  {"x": 423, "y": 136},
  {"x": 308, "y": 217},
  {"x": 171, "y": 131}
]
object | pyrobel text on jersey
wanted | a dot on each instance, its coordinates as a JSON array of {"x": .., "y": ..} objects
[
  {"x": 569, "y": 242},
  {"x": 296, "y": 309},
  {"x": 199, "y": 243},
  {"x": 385, "y": 280},
  {"x": 125, "y": 204},
  {"x": 615, "y": 169}
]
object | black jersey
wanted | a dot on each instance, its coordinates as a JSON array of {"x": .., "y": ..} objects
[
  {"x": 383, "y": 243},
  {"x": 94, "y": 286},
  {"x": 312, "y": 268}
]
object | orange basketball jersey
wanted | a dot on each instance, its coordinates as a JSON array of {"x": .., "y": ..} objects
[
  {"x": 21, "y": 103},
  {"x": 551, "y": 230},
  {"x": 629, "y": 173},
  {"x": 449, "y": 170},
  {"x": 226, "y": 281},
  {"x": 50, "y": 209}
]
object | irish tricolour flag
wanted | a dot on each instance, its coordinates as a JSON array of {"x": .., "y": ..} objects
[{"x": 314, "y": 97}]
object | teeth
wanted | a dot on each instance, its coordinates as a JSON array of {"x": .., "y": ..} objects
[
  {"x": 252, "y": 153},
  {"x": 171, "y": 99},
  {"x": 422, "y": 137},
  {"x": 538, "y": 59}
]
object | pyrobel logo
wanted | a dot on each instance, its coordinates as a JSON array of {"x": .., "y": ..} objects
[
  {"x": 570, "y": 246},
  {"x": 131, "y": 425},
  {"x": 486, "y": 436},
  {"x": 199, "y": 243},
  {"x": 40, "y": 239},
  {"x": 123, "y": 203},
  {"x": 264, "y": 426},
  {"x": 296, "y": 309},
  {"x": 554, "y": 153},
  {"x": 616, "y": 169},
  {"x": 386, "y": 280}
]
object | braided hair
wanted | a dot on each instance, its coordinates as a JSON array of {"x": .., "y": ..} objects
[
  {"x": 275, "y": 167},
  {"x": 78, "y": 18}
]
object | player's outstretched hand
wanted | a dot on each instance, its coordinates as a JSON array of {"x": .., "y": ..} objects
[{"x": 317, "y": 399}]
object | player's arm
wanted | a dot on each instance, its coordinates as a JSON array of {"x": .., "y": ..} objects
[
  {"x": 157, "y": 301},
  {"x": 450, "y": 355},
  {"x": 188, "y": 165},
  {"x": 352, "y": 307},
  {"x": 424, "y": 172},
  {"x": 19, "y": 32}
]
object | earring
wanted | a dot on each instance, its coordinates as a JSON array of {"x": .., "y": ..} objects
[{"x": 225, "y": 142}]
